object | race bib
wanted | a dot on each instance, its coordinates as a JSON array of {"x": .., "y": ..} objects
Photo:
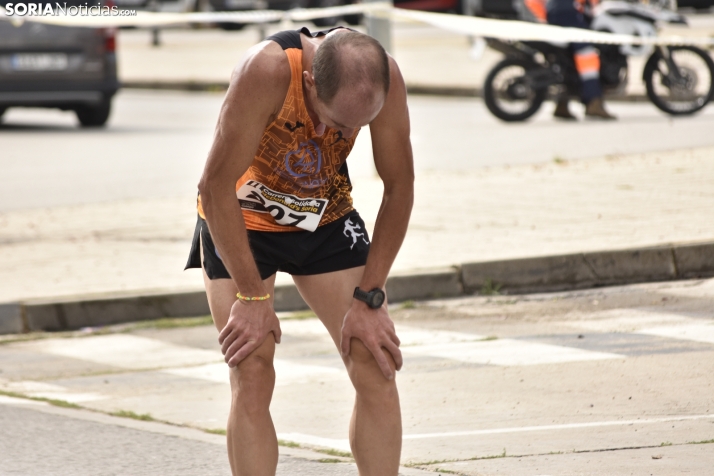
[{"x": 286, "y": 209}]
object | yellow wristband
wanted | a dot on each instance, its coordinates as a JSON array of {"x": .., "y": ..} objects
[{"x": 253, "y": 298}]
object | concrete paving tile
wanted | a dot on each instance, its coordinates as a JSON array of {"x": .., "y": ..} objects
[
  {"x": 625, "y": 344},
  {"x": 19, "y": 364},
  {"x": 555, "y": 441},
  {"x": 125, "y": 351},
  {"x": 666, "y": 461},
  {"x": 693, "y": 332},
  {"x": 508, "y": 352}
]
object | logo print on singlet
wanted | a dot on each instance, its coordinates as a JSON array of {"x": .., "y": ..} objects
[
  {"x": 304, "y": 164},
  {"x": 292, "y": 128},
  {"x": 339, "y": 138}
]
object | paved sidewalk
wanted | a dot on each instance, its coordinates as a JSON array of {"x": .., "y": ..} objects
[
  {"x": 613, "y": 381},
  {"x": 35, "y": 442},
  {"x": 554, "y": 208}
]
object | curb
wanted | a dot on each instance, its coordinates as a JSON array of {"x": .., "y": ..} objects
[
  {"x": 528, "y": 275},
  {"x": 415, "y": 89}
]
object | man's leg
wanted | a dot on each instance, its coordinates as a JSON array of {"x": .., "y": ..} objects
[
  {"x": 252, "y": 443},
  {"x": 376, "y": 426}
]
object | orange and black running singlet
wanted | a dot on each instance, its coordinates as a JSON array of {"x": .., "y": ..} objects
[{"x": 297, "y": 181}]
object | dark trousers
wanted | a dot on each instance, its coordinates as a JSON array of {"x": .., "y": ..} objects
[{"x": 590, "y": 80}]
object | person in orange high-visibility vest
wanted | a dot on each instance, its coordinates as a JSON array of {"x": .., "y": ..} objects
[{"x": 577, "y": 14}]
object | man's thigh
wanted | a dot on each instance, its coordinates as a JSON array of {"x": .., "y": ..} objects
[
  {"x": 221, "y": 294},
  {"x": 329, "y": 295}
]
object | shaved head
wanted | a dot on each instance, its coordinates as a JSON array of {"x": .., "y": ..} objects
[{"x": 350, "y": 60}]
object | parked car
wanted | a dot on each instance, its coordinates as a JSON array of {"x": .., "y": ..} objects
[
  {"x": 70, "y": 68},
  {"x": 696, "y": 4},
  {"x": 444, "y": 6}
]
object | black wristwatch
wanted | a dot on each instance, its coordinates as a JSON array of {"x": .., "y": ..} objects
[{"x": 373, "y": 298}]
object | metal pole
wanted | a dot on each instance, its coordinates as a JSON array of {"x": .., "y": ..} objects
[
  {"x": 155, "y": 33},
  {"x": 380, "y": 29}
]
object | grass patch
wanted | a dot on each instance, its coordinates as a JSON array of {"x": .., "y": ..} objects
[
  {"x": 490, "y": 288},
  {"x": 332, "y": 452},
  {"x": 288, "y": 444},
  {"x": 408, "y": 305},
  {"x": 329, "y": 460},
  {"x": 446, "y": 471},
  {"x": 58, "y": 403},
  {"x": 171, "y": 323},
  {"x": 559, "y": 160},
  {"x": 327, "y": 451},
  {"x": 10, "y": 339},
  {"x": 703, "y": 442},
  {"x": 51, "y": 401},
  {"x": 502, "y": 455},
  {"x": 216, "y": 431},
  {"x": 666, "y": 443},
  {"x": 486, "y": 339},
  {"x": 132, "y": 415}
]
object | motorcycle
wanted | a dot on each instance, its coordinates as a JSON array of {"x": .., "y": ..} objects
[{"x": 679, "y": 79}]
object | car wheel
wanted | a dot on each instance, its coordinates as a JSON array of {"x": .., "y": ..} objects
[
  {"x": 230, "y": 26},
  {"x": 94, "y": 115}
]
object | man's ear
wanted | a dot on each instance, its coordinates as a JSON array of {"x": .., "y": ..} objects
[{"x": 309, "y": 80}]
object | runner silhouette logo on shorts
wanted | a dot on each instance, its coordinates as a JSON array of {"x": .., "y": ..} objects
[{"x": 351, "y": 231}]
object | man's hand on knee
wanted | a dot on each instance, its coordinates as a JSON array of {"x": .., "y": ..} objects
[
  {"x": 248, "y": 326},
  {"x": 376, "y": 331}
]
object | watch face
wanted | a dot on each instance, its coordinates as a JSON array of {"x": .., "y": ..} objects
[{"x": 377, "y": 298}]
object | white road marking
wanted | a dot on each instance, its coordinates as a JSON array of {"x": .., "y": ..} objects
[
  {"x": 50, "y": 391},
  {"x": 125, "y": 351},
  {"x": 343, "y": 444},
  {"x": 286, "y": 373},
  {"x": 4, "y": 400},
  {"x": 625, "y": 320},
  {"x": 567, "y": 426},
  {"x": 210, "y": 372},
  {"x": 694, "y": 332},
  {"x": 508, "y": 352},
  {"x": 407, "y": 335},
  {"x": 411, "y": 336}
]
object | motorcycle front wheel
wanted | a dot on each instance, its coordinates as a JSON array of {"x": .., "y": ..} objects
[
  {"x": 508, "y": 91},
  {"x": 679, "y": 79}
]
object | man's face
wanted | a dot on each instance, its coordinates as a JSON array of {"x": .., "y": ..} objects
[{"x": 348, "y": 111}]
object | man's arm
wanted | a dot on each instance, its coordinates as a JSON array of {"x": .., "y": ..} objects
[
  {"x": 256, "y": 93},
  {"x": 393, "y": 159}
]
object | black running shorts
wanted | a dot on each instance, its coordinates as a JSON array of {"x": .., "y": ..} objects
[{"x": 339, "y": 245}]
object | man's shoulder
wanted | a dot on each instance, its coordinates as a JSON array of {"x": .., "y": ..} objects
[{"x": 264, "y": 61}]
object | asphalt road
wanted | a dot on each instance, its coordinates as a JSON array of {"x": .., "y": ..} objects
[
  {"x": 156, "y": 144},
  {"x": 607, "y": 382}
]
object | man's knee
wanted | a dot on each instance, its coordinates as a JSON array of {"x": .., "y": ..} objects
[
  {"x": 252, "y": 383},
  {"x": 364, "y": 370}
]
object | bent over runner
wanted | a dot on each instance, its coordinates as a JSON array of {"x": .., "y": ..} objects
[{"x": 275, "y": 196}]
